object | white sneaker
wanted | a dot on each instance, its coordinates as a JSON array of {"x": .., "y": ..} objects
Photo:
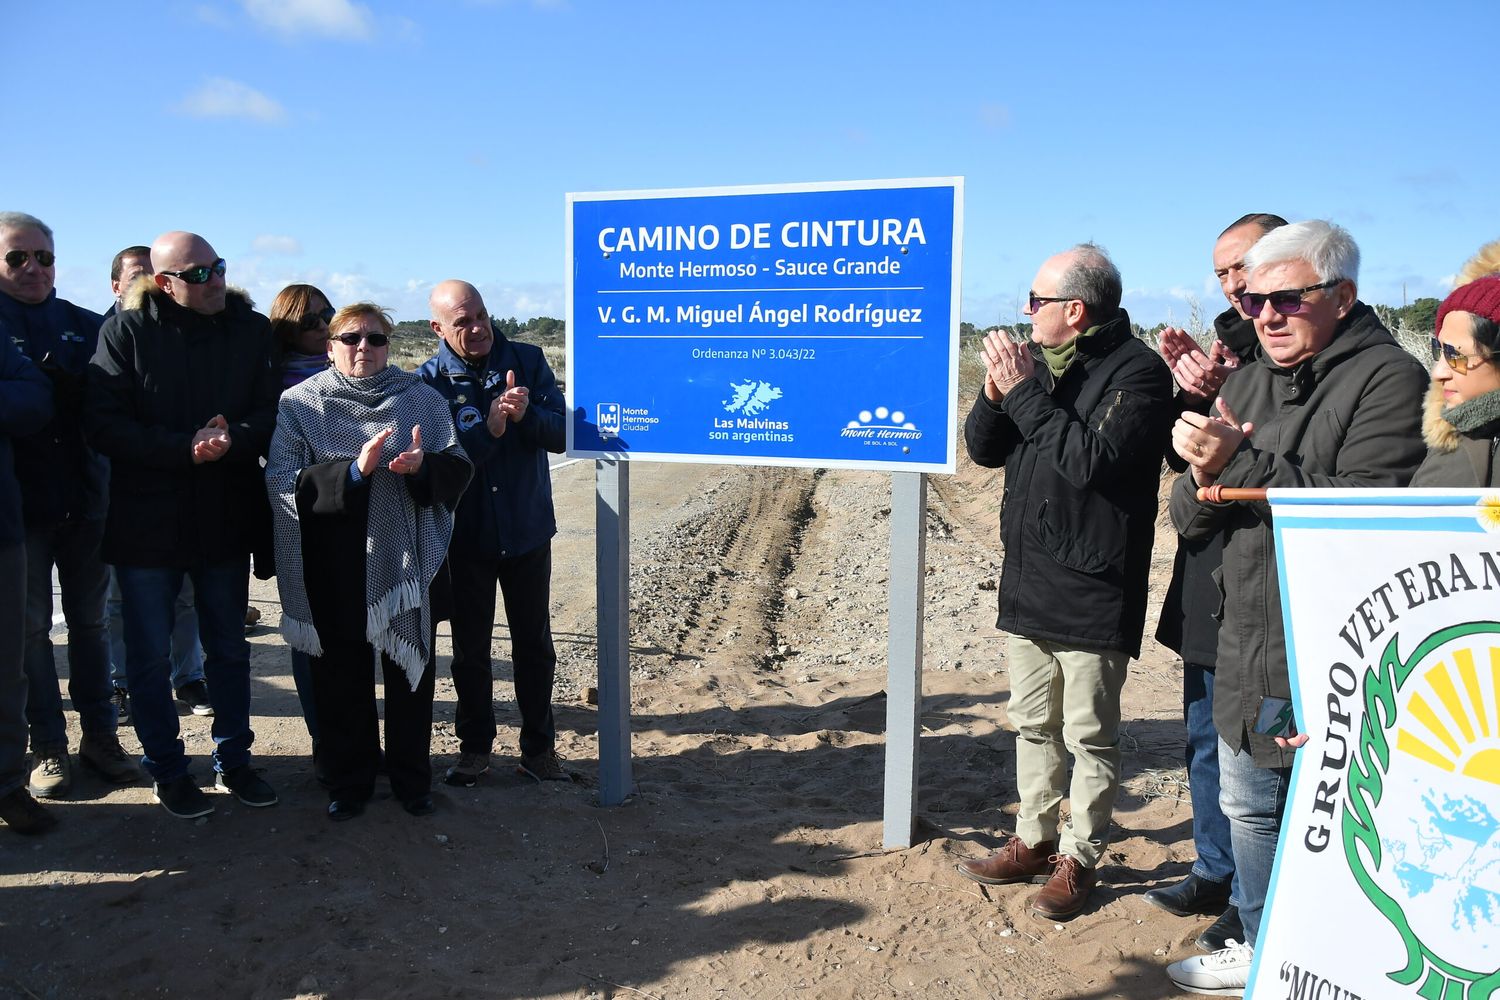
[{"x": 1223, "y": 973}]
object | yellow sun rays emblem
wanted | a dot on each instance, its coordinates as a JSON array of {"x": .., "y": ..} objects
[
  {"x": 1457, "y": 711},
  {"x": 1487, "y": 510}
]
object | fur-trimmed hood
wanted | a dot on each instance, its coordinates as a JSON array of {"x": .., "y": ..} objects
[
  {"x": 144, "y": 290},
  {"x": 1437, "y": 432},
  {"x": 1478, "y": 418}
]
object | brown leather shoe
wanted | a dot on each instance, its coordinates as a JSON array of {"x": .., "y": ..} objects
[
  {"x": 1015, "y": 862},
  {"x": 1067, "y": 891}
]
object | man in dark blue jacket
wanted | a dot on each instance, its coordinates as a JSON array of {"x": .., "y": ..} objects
[
  {"x": 509, "y": 414},
  {"x": 25, "y": 407},
  {"x": 64, "y": 496}
]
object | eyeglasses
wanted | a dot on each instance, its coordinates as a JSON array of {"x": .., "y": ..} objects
[
  {"x": 312, "y": 319},
  {"x": 17, "y": 258},
  {"x": 200, "y": 273},
  {"x": 1460, "y": 363},
  {"x": 1287, "y": 301},
  {"x": 1035, "y": 301},
  {"x": 353, "y": 339}
]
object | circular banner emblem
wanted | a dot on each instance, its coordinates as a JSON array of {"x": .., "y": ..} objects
[{"x": 1421, "y": 824}]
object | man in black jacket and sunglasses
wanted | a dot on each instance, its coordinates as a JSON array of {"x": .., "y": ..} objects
[
  {"x": 1078, "y": 419},
  {"x": 182, "y": 399}
]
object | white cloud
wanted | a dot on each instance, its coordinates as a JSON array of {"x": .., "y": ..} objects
[
  {"x": 994, "y": 115},
  {"x": 285, "y": 246},
  {"x": 317, "y": 18},
  {"x": 220, "y": 97},
  {"x": 210, "y": 14}
]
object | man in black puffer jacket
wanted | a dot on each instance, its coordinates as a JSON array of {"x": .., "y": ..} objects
[
  {"x": 182, "y": 399},
  {"x": 1078, "y": 419}
]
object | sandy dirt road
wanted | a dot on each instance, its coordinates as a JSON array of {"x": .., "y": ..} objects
[{"x": 747, "y": 863}]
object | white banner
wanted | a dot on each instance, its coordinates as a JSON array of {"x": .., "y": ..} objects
[{"x": 1387, "y": 878}]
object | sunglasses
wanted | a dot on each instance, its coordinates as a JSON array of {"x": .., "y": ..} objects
[
  {"x": 199, "y": 274},
  {"x": 323, "y": 316},
  {"x": 17, "y": 258},
  {"x": 1035, "y": 301},
  {"x": 1287, "y": 301},
  {"x": 1460, "y": 363},
  {"x": 353, "y": 339}
]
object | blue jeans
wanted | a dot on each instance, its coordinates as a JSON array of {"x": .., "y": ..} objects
[
  {"x": 187, "y": 654},
  {"x": 1253, "y": 798},
  {"x": 13, "y": 773},
  {"x": 1210, "y": 827},
  {"x": 83, "y": 579},
  {"x": 221, "y": 591}
]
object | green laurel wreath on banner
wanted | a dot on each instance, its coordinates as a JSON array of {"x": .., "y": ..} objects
[{"x": 1440, "y": 979}]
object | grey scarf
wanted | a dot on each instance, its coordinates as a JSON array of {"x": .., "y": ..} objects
[
  {"x": 329, "y": 418},
  {"x": 1477, "y": 417}
]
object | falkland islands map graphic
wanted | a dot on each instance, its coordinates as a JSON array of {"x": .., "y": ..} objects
[{"x": 1421, "y": 825}]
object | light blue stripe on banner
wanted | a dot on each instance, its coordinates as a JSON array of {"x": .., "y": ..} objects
[
  {"x": 1369, "y": 498},
  {"x": 1460, "y": 524}
]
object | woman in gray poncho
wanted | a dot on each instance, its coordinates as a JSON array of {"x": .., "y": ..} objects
[
  {"x": 1462, "y": 421},
  {"x": 363, "y": 475}
]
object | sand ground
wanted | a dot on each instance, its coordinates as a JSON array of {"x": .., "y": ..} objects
[{"x": 748, "y": 861}]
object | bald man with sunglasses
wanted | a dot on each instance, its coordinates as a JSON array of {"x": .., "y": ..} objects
[
  {"x": 182, "y": 398},
  {"x": 1328, "y": 400}
]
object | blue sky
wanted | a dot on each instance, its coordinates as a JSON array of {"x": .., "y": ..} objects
[{"x": 376, "y": 148}]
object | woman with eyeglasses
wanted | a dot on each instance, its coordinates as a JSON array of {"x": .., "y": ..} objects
[
  {"x": 364, "y": 472},
  {"x": 299, "y": 325},
  {"x": 1461, "y": 424}
]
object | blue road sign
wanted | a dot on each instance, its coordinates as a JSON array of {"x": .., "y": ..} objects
[{"x": 807, "y": 324}]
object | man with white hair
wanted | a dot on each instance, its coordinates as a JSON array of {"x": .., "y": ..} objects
[
  {"x": 1330, "y": 400},
  {"x": 182, "y": 398}
]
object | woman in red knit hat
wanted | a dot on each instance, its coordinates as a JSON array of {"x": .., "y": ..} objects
[{"x": 1462, "y": 421}]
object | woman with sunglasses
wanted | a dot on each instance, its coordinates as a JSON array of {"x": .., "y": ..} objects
[
  {"x": 363, "y": 475},
  {"x": 299, "y": 326},
  {"x": 1461, "y": 424},
  {"x": 299, "y": 322}
]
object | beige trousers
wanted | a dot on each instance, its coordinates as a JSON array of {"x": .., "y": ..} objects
[{"x": 1062, "y": 697}]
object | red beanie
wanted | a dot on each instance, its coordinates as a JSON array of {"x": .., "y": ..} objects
[{"x": 1480, "y": 297}]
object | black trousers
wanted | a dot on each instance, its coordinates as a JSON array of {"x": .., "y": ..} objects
[
  {"x": 343, "y": 682},
  {"x": 526, "y": 587}
]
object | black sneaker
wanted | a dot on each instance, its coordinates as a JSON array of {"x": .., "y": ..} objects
[
  {"x": 193, "y": 696},
  {"x": 122, "y": 704},
  {"x": 24, "y": 814},
  {"x": 467, "y": 772},
  {"x": 246, "y": 785},
  {"x": 182, "y": 798}
]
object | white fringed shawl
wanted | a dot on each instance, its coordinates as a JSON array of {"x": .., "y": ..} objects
[{"x": 329, "y": 418}]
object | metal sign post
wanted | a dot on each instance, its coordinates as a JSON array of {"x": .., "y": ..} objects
[
  {"x": 612, "y": 560},
  {"x": 903, "y": 687}
]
